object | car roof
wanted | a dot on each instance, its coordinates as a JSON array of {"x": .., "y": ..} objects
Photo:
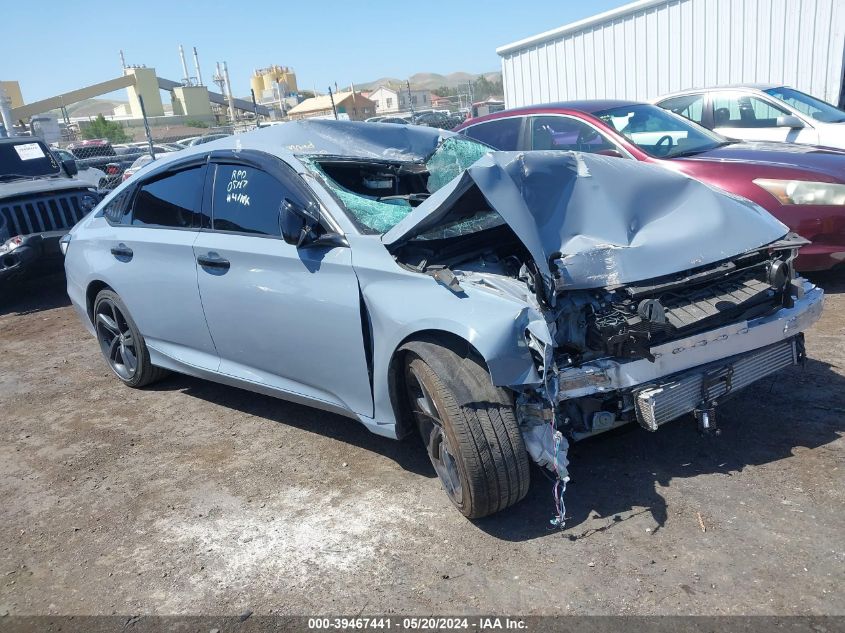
[
  {"x": 749, "y": 86},
  {"x": 588, "y": 106},
  {"x": 326, "y": 137}
]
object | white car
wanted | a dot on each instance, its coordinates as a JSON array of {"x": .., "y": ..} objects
[
  {"x": 93, "y": 176},
  {"x": 761, "y": 113}
]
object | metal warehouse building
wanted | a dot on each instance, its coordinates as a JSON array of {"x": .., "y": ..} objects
[{"x": 651, "y": 47}]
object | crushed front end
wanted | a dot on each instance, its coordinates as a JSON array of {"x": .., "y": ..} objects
[
  {"x": 656, "y": 350},
  {"x": 648, "y": 295}
]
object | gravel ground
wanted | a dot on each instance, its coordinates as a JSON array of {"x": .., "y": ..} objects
[{"x": 190, "y": 498}]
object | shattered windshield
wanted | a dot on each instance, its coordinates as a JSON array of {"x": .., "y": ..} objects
[
  {"x": 382, "y": 206},
  {"x": 26, "y": 160},
  {"x": 450, "y": 158}
]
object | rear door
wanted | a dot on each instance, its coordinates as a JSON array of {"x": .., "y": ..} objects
[
  {"x": 281, "y": 316},
  {"x": 151, "y": 260}
]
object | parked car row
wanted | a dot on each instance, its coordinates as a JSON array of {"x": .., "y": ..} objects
[
  {"x": 442, "y": 119},
  {"x": 104, "y": 164},
  {"x": 499, "y": 303},
  {"x": 801, "y": 185}
]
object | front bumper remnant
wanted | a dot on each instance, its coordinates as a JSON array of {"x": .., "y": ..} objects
[
  {"x": 693, "y": 352},
  {"x": 700, "y": 389}
]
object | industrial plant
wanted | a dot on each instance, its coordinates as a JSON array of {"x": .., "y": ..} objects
[{"x": 274, "y": 92}]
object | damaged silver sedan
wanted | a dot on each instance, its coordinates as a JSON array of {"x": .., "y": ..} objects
[{"x": 502, "y": 304}]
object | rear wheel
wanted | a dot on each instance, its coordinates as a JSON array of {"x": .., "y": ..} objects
[
  {"x": 120, "y": 341},
  {"x": 468, "y": 427}
]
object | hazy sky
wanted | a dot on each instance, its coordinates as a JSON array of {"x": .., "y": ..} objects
[{"x": 55, "y": 46}]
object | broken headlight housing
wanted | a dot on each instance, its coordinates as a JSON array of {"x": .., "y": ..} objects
[
  {"x": 11, "y": 244},
  {"x": 804, "y": 191}
]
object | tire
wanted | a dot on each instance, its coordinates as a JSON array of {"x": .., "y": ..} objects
[
  {"x": 122, "y": 345},
  {"x": 477, "y": 451}
]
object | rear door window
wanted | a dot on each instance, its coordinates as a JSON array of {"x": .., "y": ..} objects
[
  {"x": 247, "y": 200},
  {"x": 171, "y": 200},
  {"x": 688, "y": 106},
  {"x": 118, "y": 208},
  {"x": 503, "y": 134}
]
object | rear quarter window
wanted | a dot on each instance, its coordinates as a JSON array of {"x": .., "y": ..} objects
[{"x": 117, "y": 210}]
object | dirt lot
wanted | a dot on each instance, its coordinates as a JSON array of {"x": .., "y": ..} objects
[{"x": 192, "y": 498}]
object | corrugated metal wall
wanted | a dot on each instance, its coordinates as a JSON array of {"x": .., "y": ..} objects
[{"x": 649, "y": 48}]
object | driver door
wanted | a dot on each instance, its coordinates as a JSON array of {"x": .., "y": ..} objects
[
  {"x": 285, "y": 317},
  {"x": 750, "y": 117},
  {"x": 568, "y": 134}
]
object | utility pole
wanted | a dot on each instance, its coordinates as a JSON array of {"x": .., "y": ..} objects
[
  {"x": 334, "y": 109},
  {"x": 254, "y": 105},
  {"x": 146, "y": 126},
  {"x": 410, "y": 103},
  {"x": 6, "y": 112}
]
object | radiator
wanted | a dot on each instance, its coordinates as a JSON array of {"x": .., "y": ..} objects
[{"x": 657, "y": 404}]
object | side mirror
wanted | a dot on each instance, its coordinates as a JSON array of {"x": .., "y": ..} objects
[
  {"x": 70, "y": 167},
  {"x": 296, "y": 221},
  {"x": 790, "y": 121}
]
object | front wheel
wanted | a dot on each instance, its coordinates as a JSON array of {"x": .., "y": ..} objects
[
  {"x": 120, "y": 341},
  {"x": 468, "y": 427}
]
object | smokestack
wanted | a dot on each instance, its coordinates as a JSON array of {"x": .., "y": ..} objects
[
  {"x": 185, "y": 78},
  {"x": 229, "y": 92},
  {"x": 197, "y": 66}
]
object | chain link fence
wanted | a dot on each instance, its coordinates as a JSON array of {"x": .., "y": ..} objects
[
  {"x": 106, "y": 163},
  {"x": 107, "y": 160}
]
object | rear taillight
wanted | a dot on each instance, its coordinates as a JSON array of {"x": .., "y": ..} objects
[{"x": 112, "y": 169}]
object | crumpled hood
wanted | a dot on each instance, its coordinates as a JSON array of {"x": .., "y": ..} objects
[
  {"x": 26, "y": 186},
  {"x": 606, "y": 221}
]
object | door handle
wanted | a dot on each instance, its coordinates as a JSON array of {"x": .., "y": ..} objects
[
  {"x": 213, "y": 260},
  {"x": 122, "y": 251}
]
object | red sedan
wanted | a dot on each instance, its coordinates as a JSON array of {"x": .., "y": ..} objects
[{"x": 802, "y": 185}]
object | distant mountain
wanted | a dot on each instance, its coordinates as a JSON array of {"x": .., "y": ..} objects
[{"x": 429, "y": 81}]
